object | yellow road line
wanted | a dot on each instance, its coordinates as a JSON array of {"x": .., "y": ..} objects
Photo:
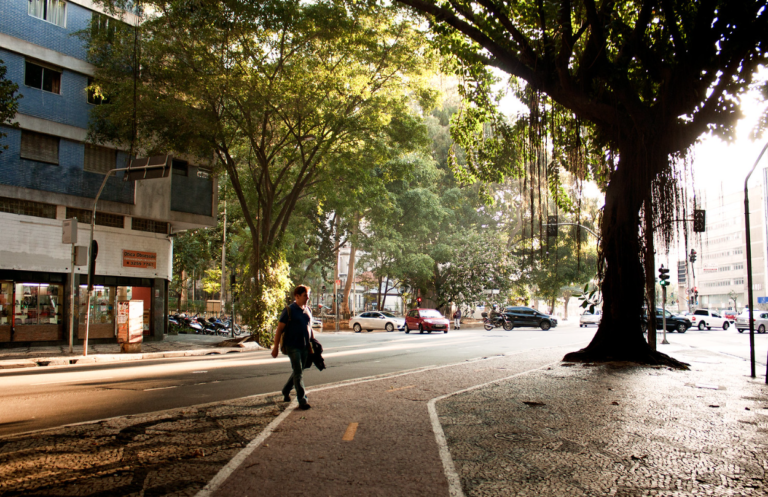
[{"x": 349, "y": 435}]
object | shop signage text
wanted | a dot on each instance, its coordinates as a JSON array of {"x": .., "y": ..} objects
[{"x": 133, "y": 258}]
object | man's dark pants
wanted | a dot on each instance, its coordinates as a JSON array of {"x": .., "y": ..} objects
[{"x": 298, "y": 359}]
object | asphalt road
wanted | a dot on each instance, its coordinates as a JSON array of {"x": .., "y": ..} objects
[
  {"x": 51, "y": 397},
  {"x": 47, "y": 398}
]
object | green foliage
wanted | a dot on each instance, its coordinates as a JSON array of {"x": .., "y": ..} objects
[
  {"x": 9, "y": 102},
  {"x": 260, "y": 309}
]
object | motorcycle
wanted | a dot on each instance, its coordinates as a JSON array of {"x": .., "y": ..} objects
[{"x": 498, "y": 320}]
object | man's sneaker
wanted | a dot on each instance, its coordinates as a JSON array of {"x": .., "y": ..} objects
[
  {"x": 286, "y": 398},
  {"x": 305, "y": 406}
]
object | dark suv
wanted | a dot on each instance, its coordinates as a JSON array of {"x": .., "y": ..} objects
[
  {"x": 679, "y": 324},
  {"x": 525, "y": 316}
]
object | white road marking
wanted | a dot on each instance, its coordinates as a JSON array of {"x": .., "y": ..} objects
[
  {"x": 71, "y": 381},
  {"x": 159, "y": 388},
  {"x": 454, "y": 482}
]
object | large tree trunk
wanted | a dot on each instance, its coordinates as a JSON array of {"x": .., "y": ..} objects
[
  {"x": 619, "y": 336},
  {"x": 650, "y": 279},
  {"x": 350, "y": 280}
]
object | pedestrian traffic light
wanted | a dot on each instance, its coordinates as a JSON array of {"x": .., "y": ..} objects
[
  {"x": 699, "y": 221},
  {"x": 92, "y": 262},
  {"x": 693, "y": 255},
  {"x": 663, "y": 276},
  {"x": 552, "y": 226}
]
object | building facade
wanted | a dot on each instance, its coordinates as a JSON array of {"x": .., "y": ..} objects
[
  {"x": 720, "y": 271},
  {"x": 49, "y": 172}
]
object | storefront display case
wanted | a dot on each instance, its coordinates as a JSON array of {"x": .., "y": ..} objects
[{"x": 38, "y": 312}]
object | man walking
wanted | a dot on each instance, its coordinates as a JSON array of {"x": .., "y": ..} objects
[
  {"x": 295, "y": 329},
  {"x": 457, "y": 319}
]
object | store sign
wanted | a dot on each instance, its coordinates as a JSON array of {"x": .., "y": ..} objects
[{"x": 133, "y": 258}]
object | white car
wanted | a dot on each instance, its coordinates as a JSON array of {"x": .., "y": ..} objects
[
  {"x": 590, "y": 318},
  {"x": 761, "y": 321},
  {"x": 376, "y": 320},
  {"x": 706, "y": 318}
]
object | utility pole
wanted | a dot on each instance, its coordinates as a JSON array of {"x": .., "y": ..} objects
[{"x": 223, "y": 297}]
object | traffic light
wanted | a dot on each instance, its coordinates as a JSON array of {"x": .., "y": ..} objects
[
  {"x": 552, "y": 226},
  {"x": 92, "y": 262},
  {"x": 693, "y": 255},
  {"x": 699, "y": 221},
  {"x": 663, "y": 276},
  {"x": 418, "y": 300}
]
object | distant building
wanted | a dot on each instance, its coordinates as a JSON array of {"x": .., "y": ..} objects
[
  {"x": 50, "y": 173},
  {"x": 721, "y": 269}
]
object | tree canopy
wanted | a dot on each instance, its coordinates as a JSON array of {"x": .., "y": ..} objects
[{"x": 639, "y": 80}]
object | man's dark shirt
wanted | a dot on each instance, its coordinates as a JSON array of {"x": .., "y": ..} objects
[{"x": 297, "y": 330}]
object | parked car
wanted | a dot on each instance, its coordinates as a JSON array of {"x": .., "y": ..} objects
[
  {"x": 706, "y": 318},
  {"x": 760, "y": 318},
  {"x": 674, "y": 323},
  {"x": 730, "y": 315},
  {"x": 376, "y": 320},
  {"x": 428, "y": 320},
  {"x": 588, "y": 318},
  {"x": 317, "y": 323},
  {"x": 527, "y": 317}
]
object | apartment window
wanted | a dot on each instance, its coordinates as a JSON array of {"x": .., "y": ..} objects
[
  {"x": 95, "y": 96},
  {"x": 42, "y": 77},
  {"x": 27, "y": 208},
  {"x": 738, "y": 266},
  {"x": 99, "y": 159},
  {"x": 149, "y": 225},
  {"x": 738, "y": 281},
  {"x": 53, "y": 11},
  {"x": 102, "y": 218},
  {"x": 39, "y": 147},
  {"x": 103, "y": 26}
]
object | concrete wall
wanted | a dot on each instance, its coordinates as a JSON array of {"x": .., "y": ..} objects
[{"x": 34, "y": 244}]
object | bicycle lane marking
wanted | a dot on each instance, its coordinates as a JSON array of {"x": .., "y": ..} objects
[
  {"x": 215, "y": 484},
  {"x": 454, "y": 482}
]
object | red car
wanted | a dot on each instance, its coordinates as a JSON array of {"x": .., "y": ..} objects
[{"x": 428, "y": 320}]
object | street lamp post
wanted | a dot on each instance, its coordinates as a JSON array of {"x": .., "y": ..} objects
[
  {"x": 749, "y": 271},
  {"x": 154, "y": 165}
]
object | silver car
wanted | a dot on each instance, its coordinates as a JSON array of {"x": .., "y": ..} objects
[
  {"x": 377, "y": 320},
  {"x": 761, "y": 321},
  {"x": 590, "y": 318}
]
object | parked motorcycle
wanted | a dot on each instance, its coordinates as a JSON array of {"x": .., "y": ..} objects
[{"x": 496, "y": 321}]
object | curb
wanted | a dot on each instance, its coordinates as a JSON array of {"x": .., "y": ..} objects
[{"x": 111, "y": 358}]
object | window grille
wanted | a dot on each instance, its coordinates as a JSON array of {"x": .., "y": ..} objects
[
  {"x": 27, "y": 208},
  {"x": 53, "y": 11},
  {"x": 149, "y": 225},
  {"x": 39, "y": 147},
  {"x": 102, "y": 218},
  {"x": 99, "y": 159}
]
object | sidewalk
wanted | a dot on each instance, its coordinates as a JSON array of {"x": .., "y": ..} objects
[
  {"x": 520, "y": 424},
  {"x": 170, "y": 346}
]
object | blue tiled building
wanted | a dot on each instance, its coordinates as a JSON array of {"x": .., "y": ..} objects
[{"x": 49, "y": 172}]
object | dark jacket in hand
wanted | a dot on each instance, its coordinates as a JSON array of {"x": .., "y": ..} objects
[{"x": 316, "y": 357}]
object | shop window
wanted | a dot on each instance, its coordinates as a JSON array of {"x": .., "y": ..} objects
[
  {"x": 38, "y": 303},
  {"x": 27, "y": 208},
  {"x": 149, "y": 225},
  {"x": 42, "y": 77},
  {"x": 39, "y": 147},
  {"x": 53, "y": 11},
  {"x": 102, "y": 218},
  {"x": 6, "y": 300},
  {"x": 103, "y": 304},
  {"x": 99, "y": 159}
]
